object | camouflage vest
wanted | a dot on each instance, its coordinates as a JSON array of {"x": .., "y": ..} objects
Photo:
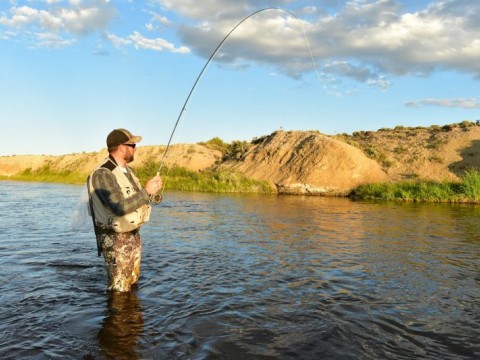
[{"x": 104, "y": 217}]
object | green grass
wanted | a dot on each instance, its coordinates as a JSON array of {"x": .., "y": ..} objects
[
  {"x": 47, "y": 174},
  {"x": 178, "y": 178},
  {"x": 175, "y": 178},
  {"x": 465, "y": 191}
]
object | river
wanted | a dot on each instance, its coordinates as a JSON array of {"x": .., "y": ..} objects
[{"x": 242, "y": 277}]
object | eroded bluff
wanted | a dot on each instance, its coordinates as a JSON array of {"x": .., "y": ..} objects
[{"x": 307, "y": 162}]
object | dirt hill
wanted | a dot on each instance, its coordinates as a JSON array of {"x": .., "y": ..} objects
[
  {"x": 195, "y": 157},
  {"x": 308, "y": 162},
  {"x": 433, "y": 153}
]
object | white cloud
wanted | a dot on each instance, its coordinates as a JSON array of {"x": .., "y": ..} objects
[
  {"x": 59, "y": 20},
  {"x": 156, "y": 22},
  {"x": 472, "y": 103},
  {"x": 118, "y": 41},
  {"x": 139, "y": 41},
  {"x": 76, "y": 2},
  {"x": 158, "y": 44},
  {"x": 380, "y": 35},
  {"x": 7, "y": 35},
  {"x": 369, "y": 41},
  {"x": 82, "y": 20},
  {"x": 49, "y": 40},
  {"x": 360, "y": 73},
  {"x": 209, "y": 9},
  {"x": 161, "y": 19}
]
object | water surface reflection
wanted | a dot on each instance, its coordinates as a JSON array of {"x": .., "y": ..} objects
[
  {"x": 122, "y": 327},
  {"x": 248, "y": 277}
]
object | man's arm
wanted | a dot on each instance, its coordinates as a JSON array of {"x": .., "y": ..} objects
[{"x": 109, "y": 192}]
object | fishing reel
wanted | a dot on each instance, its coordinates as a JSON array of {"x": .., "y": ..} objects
[{"x": 156, "y": 198}]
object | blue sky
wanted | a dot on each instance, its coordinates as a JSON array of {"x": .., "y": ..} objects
[{"x": 73, "y": 70}]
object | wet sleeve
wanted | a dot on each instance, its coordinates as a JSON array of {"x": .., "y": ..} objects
[{"x": 109, "y": 192}]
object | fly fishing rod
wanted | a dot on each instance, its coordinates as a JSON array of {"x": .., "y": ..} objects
[{"x": 157, "y": 198}]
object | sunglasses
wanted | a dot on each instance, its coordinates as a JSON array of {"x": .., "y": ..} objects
[{"x": 131, "y": 145}]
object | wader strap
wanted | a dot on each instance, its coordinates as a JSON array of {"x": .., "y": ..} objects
[
  {"x": 100, "y": 231},
  {"x": 96, "y": 229}
]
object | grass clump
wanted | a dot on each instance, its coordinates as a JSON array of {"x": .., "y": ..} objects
[
  {"x": 176, "y": 178},
  {"x": 224, "y": 181},
  {"x": 471, "y": 184},
  {"x": 214, "y": 181},
  {"x": 47, "y": 174},
  {"x": 465, "y": 191}
]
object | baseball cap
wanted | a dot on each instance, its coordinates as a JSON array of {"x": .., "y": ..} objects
[{"x": 121, "y": 136}]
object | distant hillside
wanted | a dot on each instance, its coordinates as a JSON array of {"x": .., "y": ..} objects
[
  {"x": 304, "y": 162},
  {"x": 195, "y": 157},
  {"x": 429, "y": 153}
]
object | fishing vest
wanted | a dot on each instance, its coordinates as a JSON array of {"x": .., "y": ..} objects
[{"x": 104, "y": 217}]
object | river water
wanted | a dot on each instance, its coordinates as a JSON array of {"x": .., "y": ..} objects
[{"x": 243, "y": 277}]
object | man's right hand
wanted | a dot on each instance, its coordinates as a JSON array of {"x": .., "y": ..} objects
[{"x": 154, "y": 185}]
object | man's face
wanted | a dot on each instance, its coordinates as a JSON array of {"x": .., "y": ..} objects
[{"x": 129, "y": 152}]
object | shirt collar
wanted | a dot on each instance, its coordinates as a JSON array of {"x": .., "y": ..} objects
[{"x": 124, "y": 169}]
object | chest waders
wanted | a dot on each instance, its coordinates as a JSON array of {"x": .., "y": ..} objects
[{"x": 104, "y": 220}]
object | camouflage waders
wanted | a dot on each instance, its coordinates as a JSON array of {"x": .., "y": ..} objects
[{"x": 122, "y": 254}]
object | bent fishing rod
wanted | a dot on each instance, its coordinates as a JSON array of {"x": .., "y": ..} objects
[{"x": 157, "y": 198}]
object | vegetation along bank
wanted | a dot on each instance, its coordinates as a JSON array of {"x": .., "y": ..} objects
[{"x": 436, "y": 163}]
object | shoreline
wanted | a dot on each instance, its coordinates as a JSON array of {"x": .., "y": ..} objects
[
  {"x": 466, "y": 191},
  {"x": 404, "y": 163}
]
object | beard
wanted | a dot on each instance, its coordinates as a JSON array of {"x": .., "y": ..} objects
[{"x": 129, "y": 157}]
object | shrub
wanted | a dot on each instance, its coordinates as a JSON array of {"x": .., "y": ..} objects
[
  {"x": 216, "y": 144},
  {"x": 237, "y": 149},
  {"x": 465, "y": 124},
  {"x": 400, "y": 150}
]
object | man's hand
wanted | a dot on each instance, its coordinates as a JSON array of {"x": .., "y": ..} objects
[{"x": 154, "y": 185}]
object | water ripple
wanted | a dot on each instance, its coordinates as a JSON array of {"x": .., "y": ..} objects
[{"x": 244, "y": 277}]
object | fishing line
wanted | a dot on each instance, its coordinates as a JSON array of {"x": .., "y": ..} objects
[{"x": 158, "y": 197}]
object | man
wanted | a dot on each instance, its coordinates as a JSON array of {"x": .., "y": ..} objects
[{"x": 119, "y": 207}]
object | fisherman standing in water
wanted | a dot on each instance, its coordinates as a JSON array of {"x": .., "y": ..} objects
[{"x": 119, "y": 207}]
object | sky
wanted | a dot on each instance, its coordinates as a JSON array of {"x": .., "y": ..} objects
[{"x": 73, "y": 70}]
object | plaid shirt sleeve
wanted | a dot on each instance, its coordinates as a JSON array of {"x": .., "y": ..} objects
[{"x": 109, "y": 192}]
